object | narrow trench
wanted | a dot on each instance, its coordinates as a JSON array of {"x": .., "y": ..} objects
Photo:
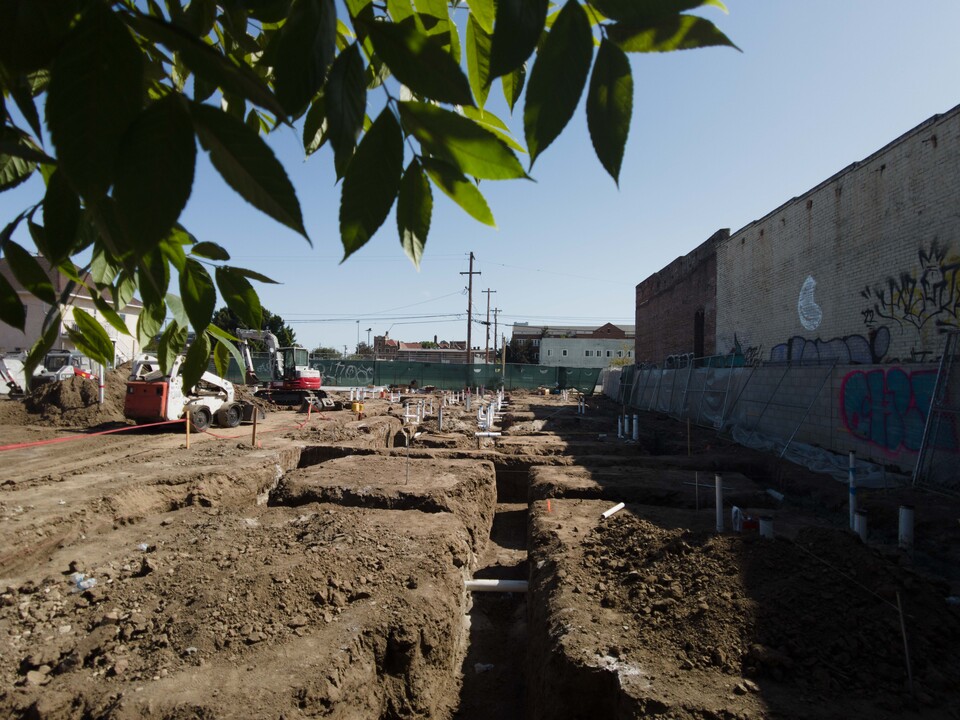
[{"x": 495, "y": 664}]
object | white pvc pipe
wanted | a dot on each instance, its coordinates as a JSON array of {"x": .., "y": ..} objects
[
  {"x": 486, "y": 434},
  {"x": 518, "y": 586},
  {"x": 766, "y": 527},
  {"x": 852, "y": 472},
  {"x": 860, "y": 524},
  {"x": 636, "y": 427},
  {"x": 619, "y": 427},
  {"x": 616, "y": 508},
  {"x": 905, "y": 537},
  {"x": 718, "y": 480},
  {"x": 100, "y": 392}
]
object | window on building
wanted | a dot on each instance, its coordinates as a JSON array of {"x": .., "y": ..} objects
[
  {"x": 536, "y": 343},
  {"x": 588, "y": 353},
  {"x": 609, "y": 353},
  {"x": 629, "y": 353},
  {"x": 619, "y": 353},
  {"x": 563, "y": 352},
  {"x": 549, "y": 352}
]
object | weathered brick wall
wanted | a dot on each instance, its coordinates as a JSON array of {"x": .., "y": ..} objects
[
  {"x": 865, "y": 267},
  {"x": 668, "y": 301}
]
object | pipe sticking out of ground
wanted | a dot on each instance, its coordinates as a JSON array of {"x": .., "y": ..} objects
[{"x": 510, "y": 586}]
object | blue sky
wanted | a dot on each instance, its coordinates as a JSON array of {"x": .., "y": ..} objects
[{"x": 718, "y": 139}]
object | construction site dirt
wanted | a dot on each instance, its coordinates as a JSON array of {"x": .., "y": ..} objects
[{"x": 322, "y": 570}]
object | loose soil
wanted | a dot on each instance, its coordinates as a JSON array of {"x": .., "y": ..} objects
[{"x": 320, "y": 572}]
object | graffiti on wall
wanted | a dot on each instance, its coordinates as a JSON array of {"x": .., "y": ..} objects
[
  {"x": 810, "y": 313},
  {"x": 921, "y": 297},
  {"x": 335, "y": 372},
  {"x": 888, "y": 408},
  {"x": 852, "y": 349}
]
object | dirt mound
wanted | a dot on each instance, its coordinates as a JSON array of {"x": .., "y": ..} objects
[
  {"x": 73, "y": 402},
  {"x": 818, "y": 616}
]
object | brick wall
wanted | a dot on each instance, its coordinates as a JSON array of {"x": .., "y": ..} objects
[
  {"x": 667, "y": 303},
  {"x": 863, "y": 268}
]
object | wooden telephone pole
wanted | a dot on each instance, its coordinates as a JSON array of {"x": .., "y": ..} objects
[
  {"x": 486, "y": 351},
  {"x": 470, "y": 275}
]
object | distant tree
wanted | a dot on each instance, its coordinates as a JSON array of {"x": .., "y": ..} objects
[
  {"x": 521, "y": 352},
  {"x": 428, "y": 344},
  {"x": 364, "y": 349},
  {"x": 326, "y": 352},
  {"x": 227, "y": 320}
]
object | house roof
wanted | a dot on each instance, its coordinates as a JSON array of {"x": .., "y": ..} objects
[{"x": 571, "y": 330}]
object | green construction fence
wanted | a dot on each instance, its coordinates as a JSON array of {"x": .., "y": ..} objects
[{"x": 444, "y": 376}]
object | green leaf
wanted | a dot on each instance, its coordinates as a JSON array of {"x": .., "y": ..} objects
[
  {"x": 49, "y": 334},
  {"x": 459, "y": 189},
  {"x": 125, "y": 290},
  {"x": 315, "y": 127},
  {"x": 149, "y": 323},
  {"x": 61, "y": 218},
  {"x": 154, "y": 175},
  {"x": 154, "y": 277},
  {"x": 31, "y": 31},
  {"x": 610, "y": 106},
  {"x": 419, "y": 64},
  {"x": 683, "y": 32},
  {"x": 197, "y": 360},
  {"x": 512, "y": 84},
  {"x": 12, "y": 311},
  {"x": 479, "y": 42},
  {"x": 91, "y": 337},
  {"x": 110, "y": 315},
  {"x": 414, "y": 208},
  {"x": 345, "y": 98},
  {"x": 399, "y": 10},
  {"x": 371, "y": 182},
  {"x": 516, "y": 33},
  {"x": 488, "y": 121},
  {"x": 240, "y": 297},
  {"x": 557, "y": 79},
  {"x": 248, "y": 165},
  {"x": 198, "y": 294},
  {"x": 175, "y": 306},
  {"x": 461, "y": 142},
  {"x": 484, "y": 11},
  {"x": 302, "y": 51},
  {"x": 649, "y": 11},
  {"x": 17, "y": 144},
  {"x": 200, "y": 16},
  {"x": 96, "y": 91},
  {"x": 226, "y": 340},
  {"x": 22, "y": 95},
  {"x": 28, "y": 272},
  {"x": 220, "y": 333},
  {"x": 171, "y": 344},
  {"x": 14, "y": 169},
  {"x": 252, "y": 274},
  {"x": 103, "y": 269},
  {"x": 209, "y": 66},
  {"x": 433, "y": 18},
  {"x": 210, "y": 250},
  {"x": 221, "y": 359}
]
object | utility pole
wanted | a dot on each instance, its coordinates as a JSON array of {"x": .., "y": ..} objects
[
  {"x": 495, "y": 312},
  {"x": 486, "y": 351},
  {"x": 470, "y": 275}
]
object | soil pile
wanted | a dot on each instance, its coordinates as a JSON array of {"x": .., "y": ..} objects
[
  {"x": 816, "y": 616},
  {"x": 73, "y": 402}
]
